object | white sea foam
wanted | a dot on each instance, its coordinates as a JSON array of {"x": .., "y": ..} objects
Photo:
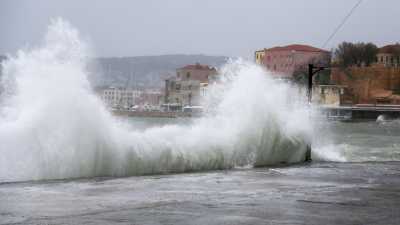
[{"x": 53, "y": 126}]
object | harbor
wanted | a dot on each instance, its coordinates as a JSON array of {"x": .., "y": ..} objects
[
  {"x": 199, "y": 112},
  {"x": 156, "y": 114},
  {"x": 361, "y": 112}
]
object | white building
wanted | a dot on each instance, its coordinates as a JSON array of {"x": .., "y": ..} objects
[
  {"x": 120, "y": 97},
  {"x": 203, "y": 89}
]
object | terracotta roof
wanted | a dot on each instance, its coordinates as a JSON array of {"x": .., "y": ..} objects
[
  {"x": 197, "y": 66},
  {"x": 390, "y": 49},
  {"x": 296, "y": 47}
]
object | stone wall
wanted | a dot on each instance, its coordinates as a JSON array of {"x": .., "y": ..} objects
[{"x": 367, "y": 84}]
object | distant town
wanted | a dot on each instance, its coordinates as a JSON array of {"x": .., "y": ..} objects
[
  {"x": 358, "y": 73},
  {"x": 358, "y": 80},
  {"x": 355, "y": 75}
]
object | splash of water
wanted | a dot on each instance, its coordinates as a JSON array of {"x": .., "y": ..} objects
[{"x": 52, "y": 126}]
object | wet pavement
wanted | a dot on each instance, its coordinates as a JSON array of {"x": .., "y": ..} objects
[{"x": 319, "y": 193}]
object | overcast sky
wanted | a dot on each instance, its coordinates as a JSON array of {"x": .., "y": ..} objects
[{"x": 212, "y": 27}]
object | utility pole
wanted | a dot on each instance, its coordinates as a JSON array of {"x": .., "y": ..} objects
[{"x": 312, "y": 70}]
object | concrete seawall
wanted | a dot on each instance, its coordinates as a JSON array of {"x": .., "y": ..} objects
[{"x": 362, "y": 112}]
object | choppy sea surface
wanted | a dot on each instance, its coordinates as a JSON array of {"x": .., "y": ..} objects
[{"x": 363, "y": 190}]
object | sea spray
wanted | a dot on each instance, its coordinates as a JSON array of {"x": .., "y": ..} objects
[{"x": 52, "y": 126}]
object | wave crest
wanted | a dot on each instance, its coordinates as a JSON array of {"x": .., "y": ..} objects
[{"x": 52, "y": 126}]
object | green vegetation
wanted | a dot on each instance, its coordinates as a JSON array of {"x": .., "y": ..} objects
[{"x": 355, "y": 54}]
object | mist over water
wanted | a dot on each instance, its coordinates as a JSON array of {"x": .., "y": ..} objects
[{"x": 52, "y": 126}]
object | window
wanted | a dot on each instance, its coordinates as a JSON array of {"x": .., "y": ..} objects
[
  {"x": 188, "y": 75},
  {"x": 190, "y": 98},
  {"x": 178, "y": 74}
]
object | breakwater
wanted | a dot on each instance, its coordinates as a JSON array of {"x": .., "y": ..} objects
[{"x": 362, "y": 112}]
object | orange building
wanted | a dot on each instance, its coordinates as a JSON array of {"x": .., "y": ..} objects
[
  {"x": 389, "y": 56},
  {"x": 187, "y": 87}
]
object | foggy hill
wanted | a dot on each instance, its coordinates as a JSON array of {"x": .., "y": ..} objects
[{"x": 144, "y": 71}]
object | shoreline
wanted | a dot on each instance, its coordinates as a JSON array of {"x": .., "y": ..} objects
[{"x": 153, "y": 114}]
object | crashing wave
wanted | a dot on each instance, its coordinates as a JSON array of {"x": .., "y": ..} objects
[{"x": 52, "y": 126}]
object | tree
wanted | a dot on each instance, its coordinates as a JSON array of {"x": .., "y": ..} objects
[
  {"x": 342, "y": 55},
  {"x": 358, "y": 54},
  {"x": 367, "y": 53}
]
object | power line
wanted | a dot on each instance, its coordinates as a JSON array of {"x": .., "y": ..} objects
[{"x": 342, "y": 23}]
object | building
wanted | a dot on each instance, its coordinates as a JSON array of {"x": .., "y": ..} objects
[
  {"x": 188, "y": 86},
  {"x": 370, "y": 85},
  {"x": 120, "y": 98},
  {"x": 203, "y": 90},
  {"x": 331, "y": 95},
  {"x": 285, "y": 61},
  {"x": 389, "y": 56},
  {"x": 149, "y": 99},
  {"x": 259, "y": 56}
]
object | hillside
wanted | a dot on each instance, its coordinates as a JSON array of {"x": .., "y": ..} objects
[{"x": 144, "y": 71}]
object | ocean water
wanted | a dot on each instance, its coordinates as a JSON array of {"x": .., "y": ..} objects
[
  {"x": 359, "y": 187},
  {"x": 367, "y": 141}
]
